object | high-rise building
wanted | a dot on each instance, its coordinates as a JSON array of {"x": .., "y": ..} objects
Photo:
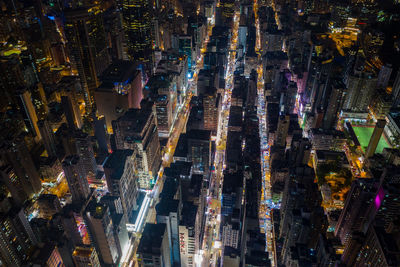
[
  {"x": 11, "y": 79},
  {"x": 98, "y": 219},
  {"x": 235, "y": 122},
  {"x": 326, "y": 251},
  {"x": 352, "y": 247},
  {"x": 379, "y": 249},
  {"x": 318, "y": 83},
  {"x": 360, "y": 89},
  {"x": 65, "y": 135},
  {"x": 370, "y": 215},
  {"x": 137, "y": 20},
  {"x": 48, "y": 137},
  {"x": 211, "y": 105},
  {"x": 282, "y": 130},
  {"x": 164, "y": 114},
  {"x": 29, "y": 113},
  {"x": 396, "y": 90},
  {"x": 16, "y": 238},
  {"x": 48, "y": 255},
  {"x": 301, "y": 150},
  {"x": 120, "y": 90},
  {"x": 119, "y": 222},
  {"x": 340, "y": 13},
  {"x": 228, "y": 8},
  {"x": 76, "y": 178},
  {"x": 162, "y": 89},
  {"x": 199, "y": 150},
  {"x": 22, "y": 178},
  {"x": 327, "y": 139},
  {"x": 357, "y": 211},
  {"x": 154, "y": 248},
  {"x": 389, "y": 206},
  {"x": 272, "y": 40},
  {"x": 85, "y": 256},
  {"x": 100, "y": 133},
  {"x": 120, "y": 171},
  {"x": 185, "y": 48},
  {"x": 71, "y": 114},
  {"x": 384, "y": 76},
  {"x": 67, "y": 220},
  {"x": 87, "y": 45},
  {"x": 372, "y": 41},
  {"x": 334, "y": 104},
  {"x": 14, "y": 184},
  {"x": 375, "y": 137},
  {"x": 71, "y": 91},
  {"x": 84, "y": 150},
  {"x": 168, "y": 212},
  {"x": 137, "y": 130},
  {"x": 381, "y": 104},
  {"x": 188, "y": 234},
  {"x": 231, "y": 234},
  {"x": 231, "y": 197},
  {"x": 48, "y": 205},
  {"x": 243, "y": 36},
  {"x": 301, "y": 213},
  {"x": 114, "y": 32}
]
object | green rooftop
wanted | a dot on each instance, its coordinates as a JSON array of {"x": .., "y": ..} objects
[{"x": 364, "y": 134}]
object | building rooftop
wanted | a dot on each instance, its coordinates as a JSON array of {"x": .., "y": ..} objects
[
  {"x": 334, "y": 132},
  {"x": 179, "y": 168},
  {"x": 111, "y": 201},
  {"x": 234, "y": 146},
  {"x": 389, "y": 245},
  {"x": 120, "y": 71},
  {"x": 166, "y": 206},
  {"x": 276, "y": 55},
  {"x": 70, "y": 160},
  {"x": 182, "y": 147},
  {"x": 152, "y": 237},
  {"x": 395, "y": 116},
  {"x": 116, "y": 162},
  {"x": 157, "y": 81},
  {"x": 196, "y": 183},
  {"x": 272, "y": 114},
  {"x": 236, "y": 116},
  {"x": 78, "y": 12},
  {"x": 170, "y": 187},
  {"x": 231, "y": 252},
  {"x": 188, "y": 214},
  {"x": 162, "y": 98},
  {"x": 232, "y": 181},
  {"x": 117, "y": 219},
  {"x": 137, "y": 118},
  {"x": 204, "y": 135},
  {"x": 329, "y": 155},
  {"x": 210, "y": 91},
  {"x": 41, "y": 255},
  {"x": 47, "y": 197},
  {"x": 96, "y": 209},
  {"x": 84, "y": 252},
  {"x": 258, "y": 258}
]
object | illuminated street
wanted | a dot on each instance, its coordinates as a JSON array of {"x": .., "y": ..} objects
[
  {"x": 266, "y": 201},
  {"x": 147, "y": 210},
  {"x": 211, "y": 246}
]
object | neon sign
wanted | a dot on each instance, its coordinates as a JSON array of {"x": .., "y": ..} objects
[{"x": 182, "y": 242}]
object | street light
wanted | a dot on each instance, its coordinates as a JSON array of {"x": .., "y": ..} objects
[{"x": 198, "y": 258}]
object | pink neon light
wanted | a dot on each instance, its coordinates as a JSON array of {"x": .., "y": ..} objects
[{"x": 379, "y": 198}]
